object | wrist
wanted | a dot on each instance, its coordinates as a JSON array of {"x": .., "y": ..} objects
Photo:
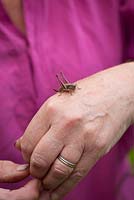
[
  {"x": 122, "y": 79},
  {"x": 114, "y": 84},
  {"x": 130, "y": 67},
  {"x": 127, "y": 80}
]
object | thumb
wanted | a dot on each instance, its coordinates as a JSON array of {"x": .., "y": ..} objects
[
  {"x": 12, "y": 172},
  {"x": 17, "y": 144},
  {"x": 30, "y": 191}
]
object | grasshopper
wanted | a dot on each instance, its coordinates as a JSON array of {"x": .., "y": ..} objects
[{"x": 65, "y": 85}]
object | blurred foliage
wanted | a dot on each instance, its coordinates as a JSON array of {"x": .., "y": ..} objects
[{"x": 131, "y": 160}]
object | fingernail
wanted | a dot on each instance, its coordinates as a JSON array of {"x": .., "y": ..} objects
[
  {"x": 54, "y": 196},
  {"x": 23, "y": 167}
]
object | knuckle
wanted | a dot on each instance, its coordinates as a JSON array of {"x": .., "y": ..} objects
[
  {"x": 39, "y": 161},
  {"x": 51, "y": 108},
  {"x": 26, "y": 149},
  {"x": 100, "y": 144},
  {"x": 79, "y": 174},
  {"x": 60, "y": 173},
  {"x": 72, "y": 120},
  {"x": 86, "y": 133}
]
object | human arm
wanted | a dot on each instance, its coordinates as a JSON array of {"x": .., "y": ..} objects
[{"x": 82, "y": 127}]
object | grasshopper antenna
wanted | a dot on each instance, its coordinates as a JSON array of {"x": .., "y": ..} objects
[
  {"x": 60, "y": 81},
  {"x": 63, "y": 77}
]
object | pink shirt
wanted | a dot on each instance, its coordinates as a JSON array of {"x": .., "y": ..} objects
[{"x": 80, "y": 38}]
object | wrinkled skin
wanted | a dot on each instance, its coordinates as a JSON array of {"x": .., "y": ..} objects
[
  {"x": 10, "y": 174},
  {"x": 81, "y": 127}
]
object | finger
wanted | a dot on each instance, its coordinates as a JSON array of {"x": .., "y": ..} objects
[
  {"x": 17, "y": 144},
  {"x": 83, "y": 167},
  {"x": 30, "y": 191},
  {"x": 45, "y": 195},
  {"x": 38, "y": 126},
  {"x": 11, "y": 172},
  {"x": 4, "y": 194},
  {"x": 45, "y": 154},
  {"x": 59, "y": 172},
  {"x": 23, "y": 193}
]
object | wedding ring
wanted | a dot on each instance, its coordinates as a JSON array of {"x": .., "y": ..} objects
[{"x": 66, "y": 162}]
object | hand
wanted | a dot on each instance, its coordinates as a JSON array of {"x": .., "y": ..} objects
[
  {"x": 11, "y": 172},
  {"x": 82, "y": 127}
]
